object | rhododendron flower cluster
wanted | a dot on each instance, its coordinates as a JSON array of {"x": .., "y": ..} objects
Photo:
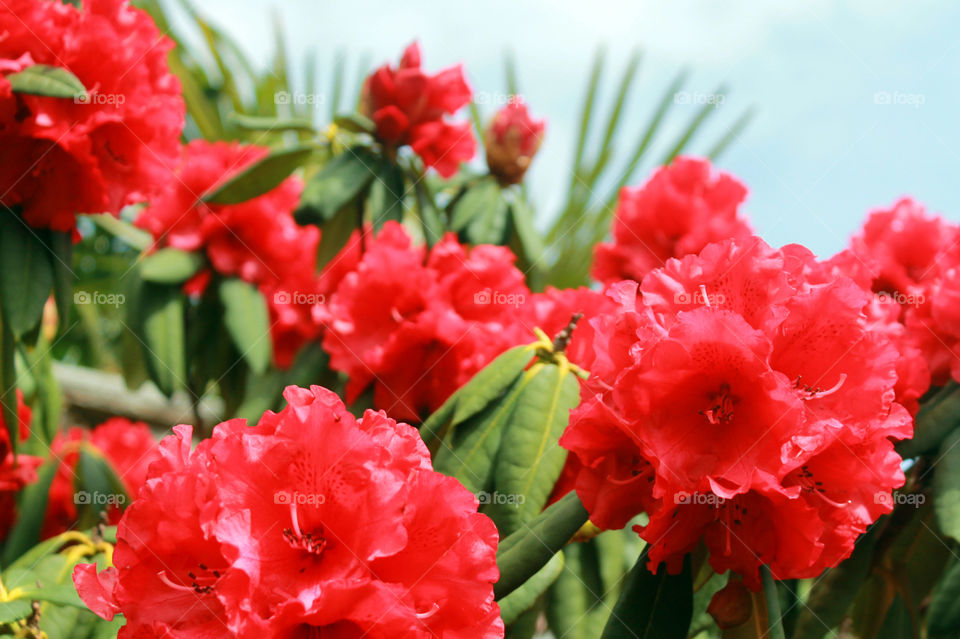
[
  {"x": 909, "y": 259},
  {"x": 408, "y": 107},
  {"x": 740, "y": 396},
  {"x": 128, "y": 447},
  {"x": 311, "y": 523},
  {"x": 65, "y": 156},
  {"x": 418, "y": 324},
  {"x": 511, "y": 141},
  {"x": 257, "y": 240},
  {"x": 682, "y": 207},
  {"x": 15, "y": 473}
]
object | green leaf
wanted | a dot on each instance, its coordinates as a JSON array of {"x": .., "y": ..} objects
[
  {"x": 523, "y": 553},
  {"x": 248, "y": 322},
  {"x": 946, "y": 486},
  {"x": 481, "y": 213},
  {"x": 531, "y": 244},
  {"x": 269, "y": 123},
  {"x": 32, "y": 509},
  {"x": 492, "y": 381},
  {"x": 170, "y": 266},
  {"x": 772, "y": 599},
  {"x": 355, "y": 122},
  {"x": 524, "y": 597},
  {"x": 60, "y": 244},
  {"x": 335, "y": 235},
  {"x": 429, "y": 215},
  {"x": 943, "y": 616},
  {"x": 937, "y": 418},
  {"x": 336, "y": 185},
  {"x": 162, "y": 308},
  {"x": 8, "y": 385},
  {"x": 835, "y": 591},
  {"x": 42, "y": 79},
  {"x": 137, "y": 238},
  {"x": 653, "y": 606},
  {"x": 26, "y": 274},
  {"x": 14, "y": 610},
  {"x": 262, "y": 176},
  {"x": 530, "y": 459},
  {"x": 60, "y": 594},
  {"x": 470, "y": 453},
  {"x": 99, "y": 487},
  {"x": 387, "y": 192}
]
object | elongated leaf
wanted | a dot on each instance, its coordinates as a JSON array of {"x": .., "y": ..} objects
[
  {"x": 946, "y": 486},
  {"x": 566, "y": 602},
  {"x": 26, "y": 274},
  {"x": 938, "y": 417},
  {"x": 14, "y": 610},
  {"x": 260, "y": 177},
  {"x": 387, "y": 192},
  {"x": 613, "y": 122},
  {"x": 42, "y": 79},
  {"x": 99, "y": 487},
  {"x": 701, "y": 115},
  {"x": 137, "y": 238},
  {"x": 470, "y": 453},
  {"x": 524, "y": 597},
  {"x": 60, "y": 245},
  {"x": 355, "y": 122},
  {"x": 33, "y": 507},
  {"x": 8, "y": 385},
  {"x": 269, "y": 123},
  {"x": 248, "y": 322},
  {"x": 163, "y": 335},
  {"x": 834, "y": 592},
  {"x": 526, "y": 551},
  {"x": 336, "y": 185},
  {"x": 480, "y": 213},
  {"x": 944, "y": 613},
  {"x": 429, "y": 216},
  {"x": 530, "y": 459},
  {"x": 653, "y": 606},
  {"x": 336, "y": 233},
  {"x": 530, "y": 242},
  {"x": 170, "y": 266},
  {"x": 585, "y": 115}
]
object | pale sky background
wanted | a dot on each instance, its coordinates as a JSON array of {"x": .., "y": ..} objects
[{"x": 820, "y": 152}]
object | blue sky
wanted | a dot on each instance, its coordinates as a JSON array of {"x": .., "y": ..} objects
[{"x": 823, "y": 149}]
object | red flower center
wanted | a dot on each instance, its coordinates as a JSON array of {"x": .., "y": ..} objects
[{"x": 721, "y": 406}]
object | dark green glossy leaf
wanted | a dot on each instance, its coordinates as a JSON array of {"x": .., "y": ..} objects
[
  {"x": 262, "y": 176},
  {"x": 162, "y": 335},
  {"x": 653, "y": 606},
  {"x": 26, "y": 274},
  {"x": 337, "y": 184},
  {"x": 248, "y": 322}
]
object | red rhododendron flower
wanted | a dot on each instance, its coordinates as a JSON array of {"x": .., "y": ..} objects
[
  {"x": 257, "y": 240},
  {"x": 14, "y": 473},
  {"x": 408, "y": 107},
  {"x": 127, "y": 446},
  {"x": 511, "y": 141},
  {"x": 683, "y": 207},
  {"x": 742, "y": 399},
  {"x": 419, "y": 325},
  {"x": 64, "y": 156},
  {"x": 310, "y": 523}
]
